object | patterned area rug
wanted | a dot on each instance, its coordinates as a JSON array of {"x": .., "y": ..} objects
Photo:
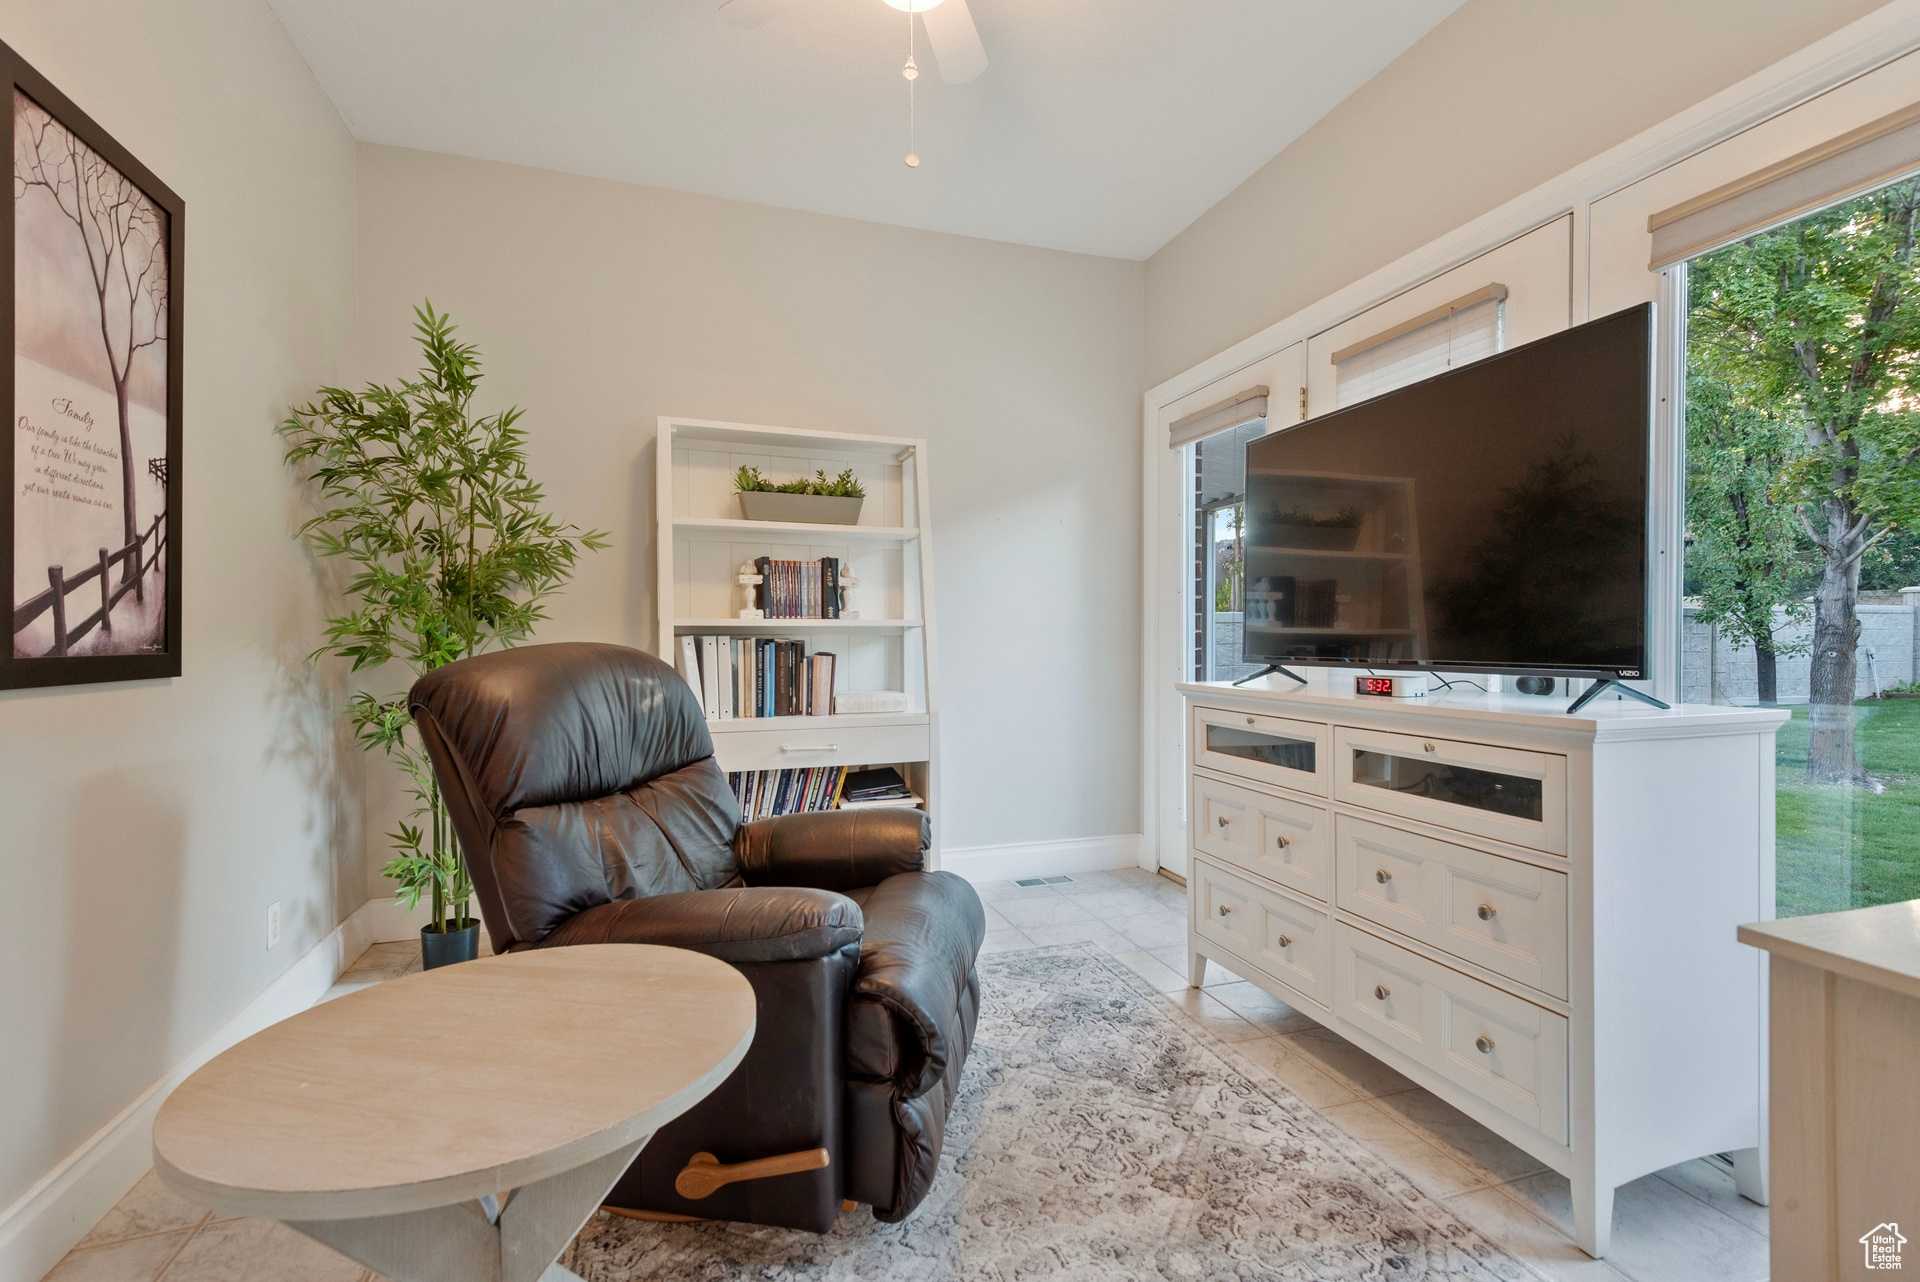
[{"x": 1099, "y": 1136}]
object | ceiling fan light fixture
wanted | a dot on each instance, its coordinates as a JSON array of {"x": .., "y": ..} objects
[{"x": 913, "y": 6}]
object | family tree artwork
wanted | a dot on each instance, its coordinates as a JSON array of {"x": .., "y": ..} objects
[{"x": 95, "y": 404}]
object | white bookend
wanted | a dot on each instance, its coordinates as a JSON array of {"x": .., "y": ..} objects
[{"x": 858, "y": 701}]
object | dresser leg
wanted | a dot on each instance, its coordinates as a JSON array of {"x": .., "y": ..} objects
[
  {"x": 1592, "y": 1214},
  {"x": 1196, "y": 969},
  {"x": 1750, "y": 1174}
]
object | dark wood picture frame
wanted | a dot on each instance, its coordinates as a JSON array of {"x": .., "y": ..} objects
[{"x": 22, "y": 598}]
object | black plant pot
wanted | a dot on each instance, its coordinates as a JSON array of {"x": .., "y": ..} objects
[{"x": 445, "y": 947}]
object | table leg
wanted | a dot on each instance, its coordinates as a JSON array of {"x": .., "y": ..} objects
[{"x": 472, "y": 1242}]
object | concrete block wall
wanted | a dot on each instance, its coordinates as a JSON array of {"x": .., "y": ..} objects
[{"x": 1714, "y": 669}]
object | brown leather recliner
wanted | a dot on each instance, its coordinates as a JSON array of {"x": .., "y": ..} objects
[{"x": 583, "y": 789}]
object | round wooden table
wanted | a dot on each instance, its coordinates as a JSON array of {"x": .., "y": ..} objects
[{"x": 461, "y": 1123}]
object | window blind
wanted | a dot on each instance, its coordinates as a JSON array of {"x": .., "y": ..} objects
[
  {"x": 1857, "y": 161},
  {"x": 1456, "y": 333},
  {"x": 1236, "y": 411}
]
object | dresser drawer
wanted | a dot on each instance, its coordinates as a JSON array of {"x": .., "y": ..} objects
[
  {"x": 787, "y": 742},
  {"x": 1283, "y": 840},
  {"x": 1275, "y": 750},
  {"x": 1505, "y": 793},
  {"x": 1504, "y": 914},
  {"x": 1504, "y": 1050},
  {"x": 1276, "y": 933}
]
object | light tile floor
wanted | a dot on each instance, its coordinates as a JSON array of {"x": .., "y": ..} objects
[{"x": 1684, "y": 1224}]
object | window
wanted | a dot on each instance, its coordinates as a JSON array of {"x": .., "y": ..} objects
[
  {"x": 1219, "y": 551},
  {"x": 1802, "y": 416}
]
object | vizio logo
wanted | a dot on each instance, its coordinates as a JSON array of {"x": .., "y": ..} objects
[
  {"x": 1629, "y": 672},
  {"x": 1882, "y": 1245}
]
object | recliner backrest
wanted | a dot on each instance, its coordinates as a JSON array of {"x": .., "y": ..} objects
[{"x": 575, "y": 774}]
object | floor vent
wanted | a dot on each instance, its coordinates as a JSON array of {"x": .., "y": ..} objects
[{"x": 1042, "y": 881}]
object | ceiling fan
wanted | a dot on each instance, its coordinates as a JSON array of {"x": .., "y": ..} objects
[{"x": 950, "y": 30}]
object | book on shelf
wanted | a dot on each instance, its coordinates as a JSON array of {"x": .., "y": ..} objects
[
  {"x": 758, "y": 676},
  {"x": 799, "y": 589},
  {"x": 763, "y": 794},
  {"x": 856, "y": 702},
  {"x": 882, "y": 783}
]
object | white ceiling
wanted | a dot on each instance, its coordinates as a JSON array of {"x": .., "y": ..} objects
[{"x": 1103, "y": 126}]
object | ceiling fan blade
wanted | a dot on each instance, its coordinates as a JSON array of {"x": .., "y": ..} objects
[
  {"x": 753, "y": 13},
  {"x": 955, "y": 40}
]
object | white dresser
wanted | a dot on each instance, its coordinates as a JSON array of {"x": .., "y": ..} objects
[{"x": 1530, "y": 914}]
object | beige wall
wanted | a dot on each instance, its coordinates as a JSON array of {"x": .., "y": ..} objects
[
  {"x": 1502, "y": 96},
  {"x": 149, "y": 825},
  {"x": 601, "y": 305}
]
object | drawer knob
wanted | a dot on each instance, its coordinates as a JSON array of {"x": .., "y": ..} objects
[
  {"x": 1224, "y": 821},
  {"x": 1282, "y": 842},
  {"x": 1382, "y": 991},
  {"x": 1488, "y": 912},
  {"x": 1224, "y": 910},
  {"x": 1382, "y": 876},
  {"x": 1249, "y": 720},
  {"x": 1484, "y": 1045},
  {"x": 1285, "y": 941},
  {"x": 1427, "y": 746}
]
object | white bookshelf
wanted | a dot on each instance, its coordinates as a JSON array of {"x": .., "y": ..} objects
[{"x": 702, "y": 541}]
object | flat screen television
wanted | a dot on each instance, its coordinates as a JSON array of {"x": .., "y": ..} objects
[{"x": 1490, "y": 519}]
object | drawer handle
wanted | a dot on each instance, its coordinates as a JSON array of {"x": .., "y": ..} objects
[
  {"x": 1427, "y": 746},
  {"x": 1488, "y": 912},
  {"x": 1224, "y": 910},
  {"x": 1382, "y": 991},
  {"x": 1382, "y": 876},
  {"x": 1223, "y": 821},
  {"x": 809, "y": 747},
  {"x": 1484, "y": 1045},
  {"x": 1285, "y": 941},
  {"x": 1282, "y": 842}
]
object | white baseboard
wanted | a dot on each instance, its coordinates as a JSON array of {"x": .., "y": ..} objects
[
  {"x": 1045, "y": 858},
  {"x": 43, "y": 1225}
]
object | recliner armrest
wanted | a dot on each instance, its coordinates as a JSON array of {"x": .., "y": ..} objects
[
  {"x": 904, "y": 1024},
  {"x": 833, "y": 849},
  {"x": 734, "y": 924}
]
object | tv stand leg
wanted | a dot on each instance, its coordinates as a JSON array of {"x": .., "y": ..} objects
[
  {"x": 1601, "y": 687},
  {"x": 1750, "y": 1174},
  {"x": 1196, "y": 969},
  {"x": 1268, "y": 671}
]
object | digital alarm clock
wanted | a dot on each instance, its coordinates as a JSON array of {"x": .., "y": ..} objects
[{"x": 1408, "y": 687}]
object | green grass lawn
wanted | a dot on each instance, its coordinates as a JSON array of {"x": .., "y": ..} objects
[{"x": 1849, "y": 847}]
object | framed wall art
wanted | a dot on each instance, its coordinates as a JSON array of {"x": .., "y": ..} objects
[{"x": 90, "y": 282}]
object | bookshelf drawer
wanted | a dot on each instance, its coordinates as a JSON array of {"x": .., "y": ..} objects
[
  {"x": 1505, "y": 1050},
  {"x": 1283, "y": 840},
  {"x": 1509, "y": 794},
  {"x": 1288, "y": 940},
  {"x": 1504, "y": 914},
  {"x": 796, "y": 742},
  {"x": 1272, "y": 750}
]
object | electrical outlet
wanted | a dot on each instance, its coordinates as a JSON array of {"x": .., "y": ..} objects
[{"x": 273, "y": 923}]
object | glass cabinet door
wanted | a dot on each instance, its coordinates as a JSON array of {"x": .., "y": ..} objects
[
  {"x": 1488, "y": 790},
  {"x": 1263, "y": 746},
  {"x": 1277, "y": 750}
]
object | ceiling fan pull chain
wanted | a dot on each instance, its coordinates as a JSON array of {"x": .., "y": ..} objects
[{"x": 912, "y": 73}]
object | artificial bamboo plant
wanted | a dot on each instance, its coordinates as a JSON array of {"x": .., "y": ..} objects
[{"x": 450, "y": 552}]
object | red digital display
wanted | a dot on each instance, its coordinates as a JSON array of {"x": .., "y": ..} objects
[{"x": 1376, "y": 685}]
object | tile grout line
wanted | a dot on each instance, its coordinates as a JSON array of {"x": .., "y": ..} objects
[
  {"x": 184, "y": 1244},
  {"x": 138, "y": 1237}
]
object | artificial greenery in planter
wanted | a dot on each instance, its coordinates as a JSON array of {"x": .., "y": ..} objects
[
  {"x": 805, "y": 498},
  {"x": 451, "y": 555}
]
